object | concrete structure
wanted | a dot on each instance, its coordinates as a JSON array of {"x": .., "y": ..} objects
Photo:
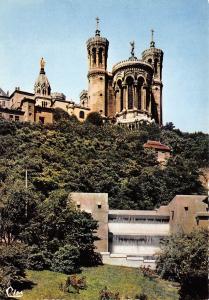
[
  {"x": 188, "y": 212},
  {"x": 129, "y": 94},
  {"x": 132, "y": 237},
  {"x": 136, "y": 232},
  {"x": 97, "y": 205}
]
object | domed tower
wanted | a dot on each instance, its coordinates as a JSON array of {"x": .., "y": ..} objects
[
  {"x": 132, "y": 83},
  {"x": 97, "y": 48},
  {"x": 154, "y": 57},
  {"x": 42, "y": 86}
]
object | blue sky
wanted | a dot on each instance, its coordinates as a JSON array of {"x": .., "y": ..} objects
[{"x": 58, "y": 30}]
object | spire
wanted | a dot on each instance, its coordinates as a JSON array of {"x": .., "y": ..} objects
[
  {"x": 42, "y": 65},
  {"x": 152, "y": 43},
  {"x": 42, "y": 85},
  {"x": 97, "y": 32}
]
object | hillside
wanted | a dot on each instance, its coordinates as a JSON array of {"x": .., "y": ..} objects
[
  {"x": 129, "y": 282},
  {"x": 110, "y": 159}
]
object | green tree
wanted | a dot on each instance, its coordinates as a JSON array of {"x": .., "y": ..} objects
[
  {"x": 55, "y": 225},
  {"x": 13, "y": 261},
  {"x": 82, "y": 157},
  {"x": 184, "y": 258},
  {"x": 66, "y": 260},
  {"x": 19, "y": 206}
]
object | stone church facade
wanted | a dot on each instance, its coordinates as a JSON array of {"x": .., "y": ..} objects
[
  {"x": 132, "y": 91},
  {"x": 38, "y": 106},
  {"x": 129, "y": 94}
]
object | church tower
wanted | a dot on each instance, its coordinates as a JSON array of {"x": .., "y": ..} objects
[
  {"x": 97, "y": 48},
  {"x": 154, "y": 57}
]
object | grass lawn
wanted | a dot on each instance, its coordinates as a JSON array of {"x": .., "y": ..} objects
[{"x": 127, "y": 281}]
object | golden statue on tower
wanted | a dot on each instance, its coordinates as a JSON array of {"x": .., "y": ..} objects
[{"x": 42, "y": 63}]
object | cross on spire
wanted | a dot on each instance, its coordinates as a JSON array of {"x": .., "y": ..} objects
[
  {"x": 152, "y": 43},
  {"x": 152, "y": 32},
  {"x": 97, "y": 19},
  {"x": 97, "y": 32}
]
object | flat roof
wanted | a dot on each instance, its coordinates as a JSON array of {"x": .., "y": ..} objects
[
  {"x": 202, "y": 213},
  {"x": 137, "y": 213},
  {"x": 140, "y": 235}
]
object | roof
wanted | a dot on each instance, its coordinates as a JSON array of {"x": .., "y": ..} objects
[
  {"x": 202, "y": 214},
  {"x": 199, "y": 202},
  {"x": 156, "y": 145},
  {"x": 41, "y": 80},
  {"x": 2, "y": 93},
  {"x": 182, "y": 198},
  {"x": 137, "y": 213},
  {"x": 97, "y": 40},
  {"x": 21, "y": 92},
  {"x": 134, "y": 63},
  {"x": 11, "y": 111}
]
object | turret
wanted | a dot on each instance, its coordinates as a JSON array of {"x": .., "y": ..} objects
[
  {"x": 42, "y": 86},
  {"x": 154, "y": 57},
  {"x": 97, "y": 48}
]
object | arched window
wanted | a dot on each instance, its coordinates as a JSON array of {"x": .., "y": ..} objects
[
  {"x": 81, "y": 114},
  {"x": 139, "y": 92},
  {"x": 155, "y": 65},
  {"x": 119, "y": 83},
  {"x": 44, "y": 92},
  {"x": 100, "y": 55},
  {"x": 149, "y": 60},
  {"x": 129, "y": 81},
  {"x": 94, "y": 55}
]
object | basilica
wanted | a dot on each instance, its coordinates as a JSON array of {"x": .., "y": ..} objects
[{"x": 129, "y": 94}]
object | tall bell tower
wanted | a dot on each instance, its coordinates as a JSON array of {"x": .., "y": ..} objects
[
  {"x": 97, "y": 48},
  {"x": 154, "y": 56}
]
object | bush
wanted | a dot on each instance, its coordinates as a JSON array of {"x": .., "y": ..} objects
[
  {"x": 60, "y": 114},
  {"x": 147, "y": 272},
  {"x": 184, "y": 258},
  {"x": 77, "y": 283},
  {"x": 66, "y": 260},
  {"x": 141, "y": 297},
  {"x": 38, "y": 259},
  {"x": 106, "y": 294},
  {"x": 13, "y": 261},
  {"x": 94, "y": 118}
]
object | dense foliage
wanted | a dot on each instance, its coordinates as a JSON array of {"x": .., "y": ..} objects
[
  {"x": 42, "y": 234},
  {"x": 94, "y": 118},
  {"x": 12, "y": 267},
  {"x": 88, "y": 158},
  {"x": 184, "y": 258}
]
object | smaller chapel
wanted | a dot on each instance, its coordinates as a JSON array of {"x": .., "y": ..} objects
[{"x": 129, "y": 94}]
